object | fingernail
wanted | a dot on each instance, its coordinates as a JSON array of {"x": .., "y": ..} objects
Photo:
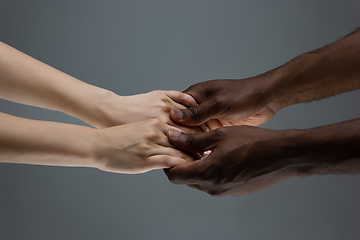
[
  {"x": 174, "y": 134},
  {"x": 179, "y": 115}
]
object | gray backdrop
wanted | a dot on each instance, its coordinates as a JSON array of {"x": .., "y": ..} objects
[{"x": 133, "y": 47}]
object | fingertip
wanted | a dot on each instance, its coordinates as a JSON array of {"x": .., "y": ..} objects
[
  {"x": 177, "y": 114},
  {"x": 213, "y": 124},
  {"x": 182, "y": 98},
  {"x": 203, "y": 127},
  {"x": 189, "y": 100},
  {"x": 174, "y": 133},
  {"x": 186, "y": 117}
]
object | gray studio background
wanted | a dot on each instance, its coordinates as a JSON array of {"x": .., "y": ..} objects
[{"x": 134, "y": 47}]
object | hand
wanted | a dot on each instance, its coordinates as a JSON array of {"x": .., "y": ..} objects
[
  {"x": 232, "y": 102},
  {"x": 136, "y": 148},
  {"x": 28, "y": 81},
  {"x": 118, "y": 110},
  {"x": 243, "y": 159}
]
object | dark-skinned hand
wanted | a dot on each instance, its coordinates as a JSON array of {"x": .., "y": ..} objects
[
  {"x": 243, "y": 159},
  {"x": 230, "y": 102}
]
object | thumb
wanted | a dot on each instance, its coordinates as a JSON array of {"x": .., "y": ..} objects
[
  {"x": 194, "y": 116},
  {"x": 192, "y": 142}
]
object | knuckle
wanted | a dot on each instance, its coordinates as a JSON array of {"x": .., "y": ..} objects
[
  {"x": 165, "y": 161},
  {"x": 194, "y": 115},
  {"x": 189, "y": 141},
  {"x": 182, "y": 155},
  {"x": 155, "y": 122},
  {"x": 152, "y": 135},
  {"x": 172, "y": 152},
  {"x": 218, "y": 99},
  {"x": 219, "y": 133},
  {"x": 191, "y": 89},
  {"x": 177, "y": 153},
  {"x": 142, "y": 148},
  {"x": 156, "y": 92},
  {"x": 164, "y": 118},
  {"x": 164, "y": 106},
  {"x": 161, "y": 160}
]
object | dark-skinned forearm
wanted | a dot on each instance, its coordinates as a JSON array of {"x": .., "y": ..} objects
[
  {"x": 319, "y": 74},
  {"x": 331, "y": 149}
]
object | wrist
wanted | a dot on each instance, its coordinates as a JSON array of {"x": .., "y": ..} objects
[
  {"x": 271, "y": 88},
  {"x": 109, "y": 109},
  {"x": 97, "y": 148},
  {"x": 324, "y": 150},
  {"x": 84, "y": 146},
  {"x": 276, "y": 84},
  {"x": 292, "y": 82},
  {"x": 296, "y": 152},
  {"x": 104, "y": 109},
  {"x": 293, "y": 151}
]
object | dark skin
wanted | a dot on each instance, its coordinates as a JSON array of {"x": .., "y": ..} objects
[
  {"x": 319, "y": 74},
  {"x": 246, "y": 159}
]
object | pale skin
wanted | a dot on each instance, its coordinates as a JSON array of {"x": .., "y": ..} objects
[
  {"x": 131, "y": 148},
  {"x": 26, "y": 80},
  {"x": 130, "y": 134}
]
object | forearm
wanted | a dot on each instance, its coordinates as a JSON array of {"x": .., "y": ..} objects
[
  {"x": 26, "y": 80},
  {"x": 45, "y": 143},
  {"x": 331, "y": 149},
  {"x": 322, "y": 73}
]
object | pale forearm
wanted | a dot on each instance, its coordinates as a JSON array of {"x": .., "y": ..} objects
[
  {"x": 319, "y": 74},
  {"x": 45, "y": 143},
  {"x": 130, "y": 148},
  {"x": 26, "y": 80}
]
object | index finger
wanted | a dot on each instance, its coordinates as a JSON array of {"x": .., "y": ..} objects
[{"x": 182, "y": 98}]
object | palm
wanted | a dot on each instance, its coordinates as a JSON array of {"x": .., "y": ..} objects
[{"x": 259, "y": 118}]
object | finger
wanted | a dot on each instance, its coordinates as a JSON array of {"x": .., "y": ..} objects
[
  {"x": 170, "y": 151},
  {"x": 213, "y": 124},
  {"x": 192, "y": 172},
  {"x": 194, "y": 142},
  {"x": 195, "y": 116},
  {"x": 174, "y": 104},
  {"x": 185, "y": 173},
  {"x": 158, "y": 133},
  {"x": 164, "y": 161},
  {"x": 203, "y": 127},
  {"x": 186, "y": 129},
  {"x": 162, "y": 141},
  {"x": 198, "y": 91},
  {"x": 182, "y": 98}
]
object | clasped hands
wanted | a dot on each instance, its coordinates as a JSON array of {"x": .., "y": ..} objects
[
  {"x": 135, "y": 134},
  {"x": 182, "y": 126},
  {"x": 206, "y": 137},
  {"x": 244, "y": 158}
]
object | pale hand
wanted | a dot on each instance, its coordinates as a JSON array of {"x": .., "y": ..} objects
[{"x": 135, "y": 148}]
